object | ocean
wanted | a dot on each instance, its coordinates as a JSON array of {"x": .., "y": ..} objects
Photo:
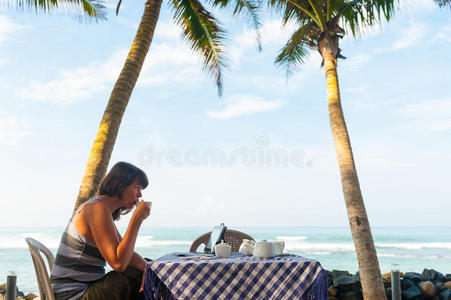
[{"x": 413, "y": 248}]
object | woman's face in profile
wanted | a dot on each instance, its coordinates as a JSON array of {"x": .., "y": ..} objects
[{"x": 131, "y": 194}]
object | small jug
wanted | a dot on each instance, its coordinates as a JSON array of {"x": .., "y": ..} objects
[
  {"x": 264, "y": 249},
  {"x": 223, "y": 249},
  {"x": 247, "y": 247}
]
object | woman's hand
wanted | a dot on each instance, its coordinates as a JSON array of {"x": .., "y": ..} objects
[
  {"x": 142, "y": 211},
  {"x": 142, "y": 281}
]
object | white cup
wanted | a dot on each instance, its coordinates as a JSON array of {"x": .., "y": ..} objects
[
  {"x": 149, "y": 203},
  {"x": 278, "y": 247}
]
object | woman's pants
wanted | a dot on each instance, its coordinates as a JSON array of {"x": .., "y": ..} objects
[{"x": 116, "y": 285}]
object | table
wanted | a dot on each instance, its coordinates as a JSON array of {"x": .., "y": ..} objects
[{"x": 236, "y": 277}]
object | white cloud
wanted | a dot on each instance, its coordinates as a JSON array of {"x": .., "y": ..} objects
[
  {"x": 416, "y": 5},
  {"x": 407, "y": 37},
  {"x": 432, "y": 115},
  {"x": 4, "y": 62},
  {"x": 354, "y": 90},
  {"x": 12, "y": 130},
  {"x": 430, "y": 108},
  {"x": 78, "y": 84},
  {"x": 169, "y": 62},
  {"x": 444, "y": 35},
  {"x": 164, "y": 63},
  {"x": 441, "y": 125},
  {"x": 7, "y": 27},
  {"x": 243, "y": 105},
  {"x": 414, "y": 33},
  {"x": 356, "y": 62},
  {"x": 167, "y": 30}
]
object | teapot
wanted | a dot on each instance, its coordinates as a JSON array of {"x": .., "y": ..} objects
[
  {"x": 223, "y": 249},
  {"x": 264, "y": 249},
  {"x": 247, "y": 247}
]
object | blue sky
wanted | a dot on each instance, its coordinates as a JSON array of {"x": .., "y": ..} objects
[{"x": 56, "y": 76}]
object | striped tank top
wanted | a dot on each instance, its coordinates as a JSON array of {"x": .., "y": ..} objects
[{"x": 78, "y": 262}]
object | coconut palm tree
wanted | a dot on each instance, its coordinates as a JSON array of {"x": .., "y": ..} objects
[
  {"x": 204, "y": 35},
  {"x": 319, "y": 25},
  {"x": 81, "y": 9}
]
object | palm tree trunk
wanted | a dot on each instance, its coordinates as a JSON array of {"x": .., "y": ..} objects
[
  {"x": 370, "y": 276},
  {"x": 109, "y": 126}
]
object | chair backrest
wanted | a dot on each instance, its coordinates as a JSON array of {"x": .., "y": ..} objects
[
  {"x": 42, "y": 275},
  {"x": 232, "y": 237}
]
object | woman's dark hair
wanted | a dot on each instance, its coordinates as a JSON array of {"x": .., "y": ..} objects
[{"x": 121, "y": 176}]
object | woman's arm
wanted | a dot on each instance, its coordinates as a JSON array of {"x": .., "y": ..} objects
[
  {"x": 136, "y": 261},
  {"x": 118, "y": 253}
]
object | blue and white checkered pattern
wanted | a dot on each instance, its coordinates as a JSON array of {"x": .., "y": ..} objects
[{"x": 287, "y": 277}]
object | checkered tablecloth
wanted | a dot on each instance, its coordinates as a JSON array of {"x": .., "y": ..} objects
[{"x": 236, "y": 277}]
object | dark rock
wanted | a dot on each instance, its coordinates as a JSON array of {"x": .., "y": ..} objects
[
  {"x": 357, "y": 276},
  {"x": 411, "y": 293},
  {"x": 445, "y": 295},
  {"x": 332, "y": 291},
  {"x": 353, "y": 295},
  {"x": 431, "y": 274},
  {"x": 330, "y": 278},
  {"x": 20, "y": 294},
  {"x": 30, "y": 296},
  {"x": 448, "y": 277},
  {"x": 388, "y": 293},
  {"x": 336, "y": 273},
  {"x": 346, "y": 282},
  {"x": 415, "y": 277},
  {"x": 440, "y": 286},
  {"x": 427, "y": 288},
  {"x": 406, "y": 283}
]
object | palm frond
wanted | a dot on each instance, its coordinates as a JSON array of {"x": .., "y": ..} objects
[
  {"x": 358, "y": 14},
  {"x": 443, "y": 3},
  {"x": 298, "y": 10},
  {"x": 295, "y": 50},
  {"x": 202, "y": 31},
  {"x": 252, "y": 9},
  {"x": 87, "y": 10}
]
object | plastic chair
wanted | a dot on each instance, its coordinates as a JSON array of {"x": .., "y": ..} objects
[
  {"x": 232, "y": 237},
  {"x": 42, "y": 276}
]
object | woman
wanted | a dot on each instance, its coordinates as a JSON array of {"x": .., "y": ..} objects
[{"x": 91, "y": 238}]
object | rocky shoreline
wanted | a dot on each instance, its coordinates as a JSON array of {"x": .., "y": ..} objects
[
  {"x": 430, "y": 284},
  {"x": 342, "y": 285},
  {"x": 19, "y": 295}
]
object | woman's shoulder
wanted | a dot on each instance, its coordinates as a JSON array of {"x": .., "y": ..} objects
[
  {"x": 94, "y": 205},
  {"x": 97, "y": 204}
]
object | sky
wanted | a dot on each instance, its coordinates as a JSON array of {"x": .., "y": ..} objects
[{"x": 261, "y": 155}]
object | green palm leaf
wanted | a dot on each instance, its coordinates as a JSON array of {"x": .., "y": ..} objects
[
  {"x": 81, "y": 9},
  {"x": 250, "y": 6},
  {"x": 295, "y": 50},
  {"x": 202, "y": 31}
]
